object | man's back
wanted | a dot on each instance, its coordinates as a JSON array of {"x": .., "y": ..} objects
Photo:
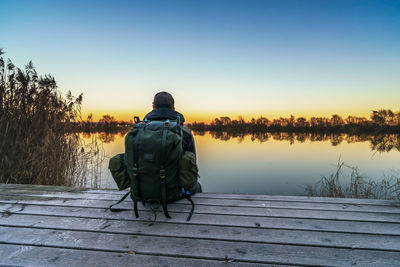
[{"x": 166, "y": 113}]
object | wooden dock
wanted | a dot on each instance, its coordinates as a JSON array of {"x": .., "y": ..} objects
[{"x": 47, "y": 225}]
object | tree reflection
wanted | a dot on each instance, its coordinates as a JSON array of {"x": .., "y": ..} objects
[
  {"x": 107, "y": 137},
  {"x": 385, "y": 143},
  {"x": 380, "y": 143}
]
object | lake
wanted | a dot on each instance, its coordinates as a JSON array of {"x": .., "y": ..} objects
[{"x": 275, "y": 164}]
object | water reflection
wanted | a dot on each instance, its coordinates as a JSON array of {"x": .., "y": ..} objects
[
  {"x": 380, "y": 143},
  {"x": 105, "y": 137},
  {"x": 272, "y": 163}
]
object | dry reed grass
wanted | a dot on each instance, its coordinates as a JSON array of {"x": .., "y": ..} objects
[
  {"x": 358, "y": 186},
  {"x": 37, "y": 143}
]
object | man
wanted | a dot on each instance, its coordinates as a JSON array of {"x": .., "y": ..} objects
[{"x": 164, "y": 109}]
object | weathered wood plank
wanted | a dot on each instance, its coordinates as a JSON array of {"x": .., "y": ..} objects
[
  {"x": 240, "y": 211},
  {"x": 299, "y": 198},
  {"x": 45, "y": 187},
  {"x": 215, "y": 195},
  {"x": 207, "y": 219},
  {"x": 17, "y": 194},
  {"x": 52, "y": 256},
  {"x": 189, "y": 248},
  {"x": 209, "y": 232}
]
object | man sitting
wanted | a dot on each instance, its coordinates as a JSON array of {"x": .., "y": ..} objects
[{"x": 164, "y": 109}]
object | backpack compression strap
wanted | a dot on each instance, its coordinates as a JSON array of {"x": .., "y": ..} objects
[
  {"x": 136, "y": 169},
  {"x": 163, "y": 172}
]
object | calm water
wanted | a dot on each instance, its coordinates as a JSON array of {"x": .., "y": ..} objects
[{"x": 275, "y": 164}]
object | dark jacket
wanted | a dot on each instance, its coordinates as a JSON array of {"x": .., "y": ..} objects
[{"x": 170, "y": 114}]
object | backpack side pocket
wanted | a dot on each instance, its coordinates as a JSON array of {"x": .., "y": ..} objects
[
  {"x": 119, "y": 172},
  {"x": 188, "y": 171}
]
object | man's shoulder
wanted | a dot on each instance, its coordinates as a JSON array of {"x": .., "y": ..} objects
[
  {"x": 186, "y": 130},
  {"x": 165, "y": 113}
]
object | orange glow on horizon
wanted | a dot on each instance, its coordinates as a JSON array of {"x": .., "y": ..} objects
[{"x": 208, "y": 117}]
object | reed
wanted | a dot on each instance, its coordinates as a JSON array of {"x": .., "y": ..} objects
[
  {"x": 37, "y": 144},
  {"x": 357, "y": 186}
]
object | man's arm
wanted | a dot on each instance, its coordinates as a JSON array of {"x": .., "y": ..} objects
[{"x": 188, "y": 140}]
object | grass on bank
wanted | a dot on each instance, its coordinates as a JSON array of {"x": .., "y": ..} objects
[{"x": 355, "y": 186}]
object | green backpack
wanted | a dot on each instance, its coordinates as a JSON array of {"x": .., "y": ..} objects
[{"x": 155, "y": 165}]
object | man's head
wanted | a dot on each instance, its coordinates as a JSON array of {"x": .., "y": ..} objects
[{"x": 163, "y": 100}]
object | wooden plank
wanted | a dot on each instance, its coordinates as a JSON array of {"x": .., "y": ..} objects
[
  {"x": 9, "y": 195},
  {"x": 38, "y": 187},
  {"x": 53, "y": 188},
  {"x": 207, "y": 219},
  {"x": 53, "y": 256},
  {"x": 239, "y": 211},
  {"x": 207, "y": 249},
  {"x": 220, "y": 202},
  {"x": 300, "y": 198},
  {"x": 208, "y": 232},
  {"x": 215, "y": 195}
]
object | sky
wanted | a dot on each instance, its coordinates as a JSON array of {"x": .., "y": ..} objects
[{"x": 217, "y": 58}]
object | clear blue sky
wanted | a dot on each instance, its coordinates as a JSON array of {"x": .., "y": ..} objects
[{"x": 272, "y": 58}]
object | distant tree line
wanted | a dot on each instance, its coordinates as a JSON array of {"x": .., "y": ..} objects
[
  {"x": 381, "y": 121},
  {"x": 106, "y": 123}
]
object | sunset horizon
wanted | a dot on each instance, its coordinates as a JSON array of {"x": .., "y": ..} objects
[
  {"x": 207, "y": 118},
  {"x": 225, "y": 58}
]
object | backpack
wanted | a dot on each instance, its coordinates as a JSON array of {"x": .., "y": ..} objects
[{"x": 154, "y": 164}]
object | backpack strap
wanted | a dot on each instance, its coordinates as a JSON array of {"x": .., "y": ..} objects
[
  {"x": 154, "y": 210},
  {"x": 135, "y": 209},
  {"x": 187, "y": 195},
  {"x": 136, "y": 169},
  {"x": 119, "y": 201},
  {"x": 163, "y": 171},
  {"x": 192, "y": 209}
]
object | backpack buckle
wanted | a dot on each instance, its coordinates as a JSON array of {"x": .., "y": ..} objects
[{"x": 162, "y": 173}]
